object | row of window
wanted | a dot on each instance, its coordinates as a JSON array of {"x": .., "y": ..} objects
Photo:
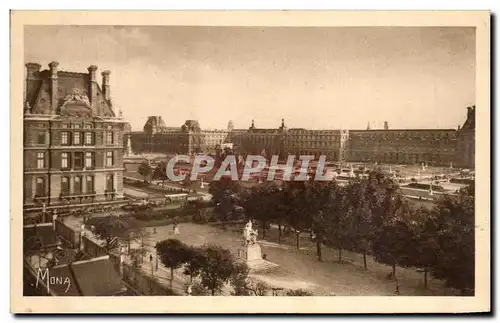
[
  {"x": 87, "y": 138},
  {"x": 76, "y": 126},
  {"x": 81, "y": 184},
  {"x": 329, "y": 154},
  {"x": 435, "y": 143},
  {"x": 404, "y": 135},
  {"x": 76, "y": 138},
  {"x": 397, "y": 156},
  {"x": 316, "y": 144},
  {"x": 84, "y": 126},
  {"x": 80, "y": 160}
]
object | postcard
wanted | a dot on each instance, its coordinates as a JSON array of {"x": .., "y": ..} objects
[{"x": 250, "y": 162}]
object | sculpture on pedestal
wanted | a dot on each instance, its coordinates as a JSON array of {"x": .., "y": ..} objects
[{"x": 249, "y": 234}]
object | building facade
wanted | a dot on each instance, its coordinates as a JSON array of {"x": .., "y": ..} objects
[
  {"x": 435, "y": 147},
  {"x": 403, "y": 146},
  {"x": 73, "y": 140},
  {"x": 466, "y": 140}
]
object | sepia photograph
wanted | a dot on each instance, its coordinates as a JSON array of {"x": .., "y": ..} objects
[{"x": 218, "y": 160}]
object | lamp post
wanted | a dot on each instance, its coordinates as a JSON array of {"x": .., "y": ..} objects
[
  {"x": 156, "y": 259},
  {"x": 44, "y": 211},
  {"x": 151, "y": 263}
]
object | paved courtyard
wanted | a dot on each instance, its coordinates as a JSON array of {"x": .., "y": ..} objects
[
  {"x": 302, "y": 270},
  {"x": 297, "y": 269}
]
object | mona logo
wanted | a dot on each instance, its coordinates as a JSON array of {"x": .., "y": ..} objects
[{"x": 45, "y": 277}]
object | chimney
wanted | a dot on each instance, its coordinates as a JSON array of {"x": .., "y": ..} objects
[
  {"x": 469, "y": 111},
  {"x": 105, "y": 85},
  {"x": 53, "y": 87},
  {"x": 32, "y": 70},
  {"x": 386, "y": 125},
  {"x": 93, "y": 89}
]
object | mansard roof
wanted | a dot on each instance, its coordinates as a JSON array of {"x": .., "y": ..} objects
[
  {"x": 470, "y": 123},
  {"x": 39, "y": 98}
]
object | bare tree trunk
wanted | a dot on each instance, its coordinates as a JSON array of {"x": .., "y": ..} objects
[
  {"x": 171, "y": 277},
  {"x": 425, "y": 277},
  {"x": 394, "y": 271},
  {"x": 364, "y": 260},
  {"x": 340, "y": 254},
  {"x": 318, "y": 247},
  {"x": 298, "y": 240},
  {"x": 213, "y": 292},
  {"x": 279, "y": 233}
]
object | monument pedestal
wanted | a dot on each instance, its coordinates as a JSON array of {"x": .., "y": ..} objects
[{"x": 252, "y": 254}]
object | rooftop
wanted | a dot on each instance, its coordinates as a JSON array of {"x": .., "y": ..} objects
[{"x": 95, "y": 277}]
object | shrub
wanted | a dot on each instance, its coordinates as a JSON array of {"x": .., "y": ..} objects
[
  {"x": 159, "y": 216},
  {"x": 198, "y": 290},
  {"x": 200, "y": 218},
  {"x": 462, "y": 181},
  {"x": 425, "y": 186},
  {"x": 299, "y": 292}
]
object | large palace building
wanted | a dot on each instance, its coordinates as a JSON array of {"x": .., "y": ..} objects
[
  {"x": 73, "y": 140},
  {"x": 436, "y": 147}
]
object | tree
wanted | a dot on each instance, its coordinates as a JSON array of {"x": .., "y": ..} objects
[
  {"x": 396, "y": 243},
  {"x": 426, "y": 233},
  {"x": 456, "y": 241},
  {"x": 239, "y": 280},
  {"x": 386, "y": 212},
  {"x": 195, "y": 263},
  {"x": 296, "y": 208},
  {"x": 218, "y": 268},
  {"x": 186, "y": 183},
  {"x": 260, "y": 204},
  {"x": 173, "y": 254},
  {"x": 140, "y": 235},
  {"x": 326, "y": 205},
  {"x": 109, "y": 229},
  {"x": 357, "y": 215},
  {"x": 225, "y": 194},
  {"x": 257, "y": 287},
  {"x": 145, "y": 170},
  {"x": 224, "y": 189},
  {"x": 160, "y": 172}
]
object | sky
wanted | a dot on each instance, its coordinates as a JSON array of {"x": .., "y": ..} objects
[{"x": 313, "y": 77}]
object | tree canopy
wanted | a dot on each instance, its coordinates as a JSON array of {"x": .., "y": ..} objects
[{"x": 145, "y": 170}]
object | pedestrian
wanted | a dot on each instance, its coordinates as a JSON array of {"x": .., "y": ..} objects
[
  {"x": 176, "y": 229},
  {"x": 150, "y": 258}
]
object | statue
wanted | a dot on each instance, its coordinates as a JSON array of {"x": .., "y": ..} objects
[
  {"x": 249, "y": 234},
  {"x": 54, "y": 218},
  {"x": 27, "y": 108},
  {"x": 129, "y": 146}
]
